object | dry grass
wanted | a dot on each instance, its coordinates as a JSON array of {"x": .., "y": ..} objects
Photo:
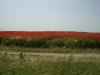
[
  {"x": 55, "y": 61},
  {"x": 21, "y": 64}
]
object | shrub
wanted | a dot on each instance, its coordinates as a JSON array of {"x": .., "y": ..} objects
[
  {"x": 6, "y": 41},
  {"x": 57, "y": 42},
  {"x": 94, "y": 43},
  {"x": 36, "y": 42},
  {"x": 51, "y": 41},
  {"x": 71, "y": 42},
  {"x": 1, "y": 39}
]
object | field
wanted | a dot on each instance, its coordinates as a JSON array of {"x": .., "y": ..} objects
[
  {"x": 49, "y": 53},
  {"x": 51, "y": 39},
  {"x": 48, "y": 64}
]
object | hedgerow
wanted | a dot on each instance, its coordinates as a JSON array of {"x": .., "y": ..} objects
[{"x": 67, "y": 42}]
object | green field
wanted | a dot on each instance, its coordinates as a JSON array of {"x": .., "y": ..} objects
[
  {"x": 20, "y": 64},
  {"x": 65, "y": 66}
]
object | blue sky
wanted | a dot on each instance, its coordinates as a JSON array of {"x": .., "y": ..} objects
[{"x": 59, "y": 15}]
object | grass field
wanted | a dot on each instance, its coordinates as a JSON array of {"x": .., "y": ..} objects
[
  {"x": 20, "y": 64},
  {"x": 65, "y": 66},
  {"x": 49, "y": 50}
]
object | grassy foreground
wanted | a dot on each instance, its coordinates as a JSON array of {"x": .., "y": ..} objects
[
  {"x": 21, "y": 66},
  {"x": 49, "y": 50},
  {"x": 61, "y": 66}
]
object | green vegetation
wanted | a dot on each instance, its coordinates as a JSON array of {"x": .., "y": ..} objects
[
  {"x": 48, "y": 50},
  {"x": 22, "y": 66},
  {"x": 50, "y": 42}
]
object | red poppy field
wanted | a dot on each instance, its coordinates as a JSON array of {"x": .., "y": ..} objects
[{"x": 50, "y": 39}]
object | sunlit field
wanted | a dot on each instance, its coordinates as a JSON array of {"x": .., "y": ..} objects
[
  {"x": 49, "y": 53},
  {"x": 12, "y": 64},
  {"x": 50, "y": 39}
]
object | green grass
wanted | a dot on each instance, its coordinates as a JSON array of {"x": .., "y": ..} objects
[
  {"x": 49, "y": 50},
  {"x": 19, "y": 66}
]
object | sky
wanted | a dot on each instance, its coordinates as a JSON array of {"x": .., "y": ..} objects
[{"x": 48, "y": 15}]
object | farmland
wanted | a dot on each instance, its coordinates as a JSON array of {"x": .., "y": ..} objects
[
  {"x": 49, "y": 33},
  {"x": 50, "y": 39},
  {"x": 49, "y": 53}
]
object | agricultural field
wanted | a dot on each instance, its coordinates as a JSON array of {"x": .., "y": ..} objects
[
  {"x": 49, "y": 53},
  {"x": 50, "y": 39}
]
